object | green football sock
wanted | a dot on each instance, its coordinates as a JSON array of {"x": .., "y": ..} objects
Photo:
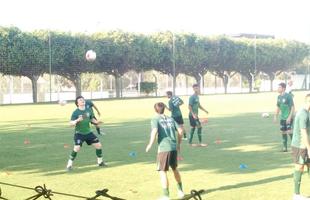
[
  {"x": 166, "y": 192},
  {"x": 180, "y": 187},
  {"x": 184, "y": 134},
  {"x": 99, "y": 153},
  {"x": 191, "y": 135},
  {"x": 297, "y": 180},
  {"x": 98, "y": 130},
  {"x": 199, "y": 134},
  {"x": 291, "y": 136},
  {"x": 73, "y": 155},
  {"x": 284, "y": 140}
]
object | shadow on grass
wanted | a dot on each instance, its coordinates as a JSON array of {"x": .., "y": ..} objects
[
  {"x": 205, "y": 192},
  {"x": 245, "y": 139},
  {"x": 249, "y": 183}
]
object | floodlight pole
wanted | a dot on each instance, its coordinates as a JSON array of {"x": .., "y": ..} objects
[
  {"x": 173, "y": 64},
  {"x": 50, "y": 63},
  {"x": 255, "y": 53},
  {"x": 253, "y": 77}
]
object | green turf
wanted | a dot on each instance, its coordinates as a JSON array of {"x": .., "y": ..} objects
[{"x": 246, "y": 138}]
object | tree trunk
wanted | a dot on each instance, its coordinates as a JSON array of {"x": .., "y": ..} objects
[
  {"x": 215, "y": 83},
  {"x": 34, "y": 82},
  {"x": 77, "y": 85},
  {"x": 197, "y": 78},
  {"x": 271, "y": 77},
  {"x": 271, "y": 85},
  {"x": 249, "y": 77},
  {"x": 121, "y": 86},
  {"x": 186, "y": 84},
  {"x": 174, "y": 83},
  {"x": 156, "y": 82},
  {"x": 202, "y": 78},
  {"x": 117, "y": 85},
  {"x": 225, "y": 79},
  {"x": 76, "y": 80},
  {"x": 139, "y": 81}
]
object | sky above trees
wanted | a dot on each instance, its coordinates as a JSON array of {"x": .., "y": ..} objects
[{"x": 285, "y": 19}]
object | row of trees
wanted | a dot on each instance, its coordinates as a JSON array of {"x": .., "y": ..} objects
[{"x": 32, "y": 54}]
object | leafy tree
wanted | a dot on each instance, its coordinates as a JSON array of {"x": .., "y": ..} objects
[
  {"x": 223, "y": 58},
  {"x": 192, "y": 53},
  {"x": 24, "y": 54},
  {"x": 68, "y": 55},
  {"x": 116, "y": 55}
]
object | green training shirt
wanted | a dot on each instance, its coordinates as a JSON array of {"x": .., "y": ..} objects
[
  {"x": 194, "y": 102},
  {"x": 285, "y": 103},
  {"x": 174, "y": 106},
  {"x": 166, "y": 127},
  {"x": 301, "y": 122},
  {"x": 82, "y": 127}
]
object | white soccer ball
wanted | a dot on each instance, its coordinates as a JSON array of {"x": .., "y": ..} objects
[
  {"x": 62, "y": 102},
  {"x": 90, "y": 55},
  {"x": 265, "y": 115}
]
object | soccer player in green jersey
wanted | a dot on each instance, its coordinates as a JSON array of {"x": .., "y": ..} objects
[
  {"x": 285, "y": 105},
  {"x": 193, "y": 107},
  {"x": 163, "y": 128},
  {"x": 81, "y": 119},
  {"x": 90, "y": 105},
  {"x": 301, "y": 146},
  {"x": 174, "y": 106}
]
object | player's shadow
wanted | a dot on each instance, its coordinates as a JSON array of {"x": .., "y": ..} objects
[{"x": 206, "y": 192}]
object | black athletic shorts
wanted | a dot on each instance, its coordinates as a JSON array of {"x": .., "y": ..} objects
[
  {"x": 166, "y": 159},
  {"x": 90, "y": 138},
  {"x": 194, "y": 122},
  {"x": 179, "y": 120},
  {"x": 284, "y": 126},
  {"x": 300, "y": 156}
]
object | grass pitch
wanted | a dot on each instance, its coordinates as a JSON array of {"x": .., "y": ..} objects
[{"x": 35, "y": 141}]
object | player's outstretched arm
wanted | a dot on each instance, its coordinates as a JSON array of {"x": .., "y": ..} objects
[
  {"x": 96, "y": 109},
  {"x": 181, "y": 102},
  {"x": 96, "y": 122},
  {"x": 152, "y": 139},
  {"x": 167, "y": 107},
  {"x": 202, "y": 108}
]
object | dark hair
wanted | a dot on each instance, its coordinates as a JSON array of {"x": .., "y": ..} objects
[
  {"x": 159, "y": 107},
  {"x": 77, "y": 98},
  {"x": 169, "y": 93},
  {"x": 283, "y": 85},
  {"x": 195, "y": 85}
]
